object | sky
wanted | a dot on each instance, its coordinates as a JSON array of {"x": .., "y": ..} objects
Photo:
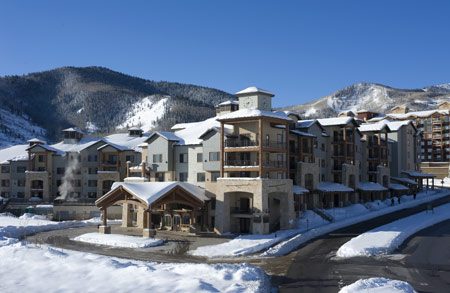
[{"x": 299, "y": 50}]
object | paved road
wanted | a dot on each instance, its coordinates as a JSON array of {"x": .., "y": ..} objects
[{"x": 423, "y": 261}]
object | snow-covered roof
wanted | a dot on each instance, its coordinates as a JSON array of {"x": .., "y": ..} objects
[
  {"x": 191, "y": 135},
  {"x": 302, "y": 133},
  {"x": 368, "y": 127},
  {"x": 370, "y": 186},
  {"x": 366, "y": 111},
  {"x": 48, "y": 148},
  {"x": 409, "y": 115},
  {"x": 149, "y": 192},
  {"x": 299, "y": 190},
  {"x": 76, "y": 129},
  {"x": 399, "y": 187},
  {"x": 14, "y": 153},
  {"x": 405, "y": 180},
  {"x": 253, "y": 112},
  {"x": 306, "y": 123},
  {"x": 126, "y": 141},
  {"x": 76, "y": 147},
  {"x": 135, "y": 129},
  {"x": 333, "y": 187},
  {"x": 418, "y": 174},
  {"x": 393, "y": 125},
  {"x": 228, "y": 103},
  {"x": 167, "y": 135},
  {"x": 253, "y": 89},
  {"x": 335, "y": 121},
  {"x": 36, "y": 140}
]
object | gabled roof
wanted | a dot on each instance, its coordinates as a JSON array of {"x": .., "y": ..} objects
[
  {"x": 165, "y": 134},
  {"x": 370, "y": 186},
  {"x": 333, "y": 187},
  {"x": 14, "y": 153},
  {"x": 36, "y": 140},
  {"x": 302, "y": 133},
  {"x": 369, "y": 127},
  {"x": 308, "y": 123},
  {"x": 337, "y": 121},
  {"x": 150, "y": 192},
  {"x": 48, "y": 148},
  {"x": 252, "y": 90},
  {"x": 75, "y": 129},
  {"x": 76, "y": 147}
]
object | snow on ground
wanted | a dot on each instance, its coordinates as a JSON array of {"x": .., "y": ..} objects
[
  {"x": 387, "y": 238},
  {"x": 54, "y": 270},
  {"x": 144, "y": 113},
  {"x": 310, "y": 226},
  {"x": 118, "y": 240},
  {"x": 50, "y": 269},
  {"x": 375, "y": 209},
  {"x": 378, "y": 285},
  {"x": 13, "y": 228}
]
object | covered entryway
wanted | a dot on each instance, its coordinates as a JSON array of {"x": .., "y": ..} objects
[{"x": 176, "y": 204}]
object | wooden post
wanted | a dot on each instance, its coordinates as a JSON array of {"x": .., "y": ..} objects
[
  {"x": 380, "y": 148},
  {"x": 128, "y": 169},
  {"x": 287, "y": 153},
  {"x": 29, "y": 161},
  {"x": 387, "y": 149},
  {"x": 221, "y": 148},
  {"x": 149, "y": 219},
  {"x": 117, "y": 161},
  {"x": 144, "y": 169},
  {"x": 105, "y": 216},
  {"x": 260, "y": 134},
  {"x": 345, "y": 145}
]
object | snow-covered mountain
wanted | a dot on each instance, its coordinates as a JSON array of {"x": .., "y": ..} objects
[
  {"x": 375, "y": 97},
  {"x": 15, "y": 129},
  {"x": 99, "y": 101}
]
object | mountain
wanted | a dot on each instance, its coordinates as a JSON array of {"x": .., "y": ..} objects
[
  {"x": 97, "y": 100},
  {"x": 375, "y": 97}
]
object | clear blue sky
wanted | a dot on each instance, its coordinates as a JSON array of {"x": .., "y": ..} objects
[{"x": 299, "y": 50}]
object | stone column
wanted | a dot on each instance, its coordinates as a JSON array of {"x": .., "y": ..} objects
[{"x": 127, "y": 215}]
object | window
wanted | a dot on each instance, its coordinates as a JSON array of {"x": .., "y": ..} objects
[
  {"x": 214, "y": 176},
  {"x": 200, "y": 177},
  {"x": 92, "y": 194},
  {"x": 21, "y": 182},
  {"x": 5, "y": 183},
  {"x": 183, "y": 158},
  {"x": 92, "y": 158},
  {"x": 92, "y": 183},
  {"x": 159, "y": 176},
  {"x": 92, "y": 170},
  {"x": 279, "y": 138},
  {"x": 41, "y": 158},
  {"x": 323, "y": 163},
  {"x": 323, "y": 147},
  {"x": 5, "y": 169},
  {"x": 157, "y": 158},
  {"x": 20, "y": 194},
  {"x": 112, "y": 159},
  {"x": 199, "y": 157},
  {"x": 59, "y": 171},
  {"x": 58, "y": 183},
  {"x": 183, "y": 176},
  {"x": 309, "y": 181},
  {"x": 41, "y": 169},
  {"x": 76, "y": 183},
  {"x": 214, "y": 156},
  {"x": 4, "y": 194},
  {"x": 129, "y": 159}
]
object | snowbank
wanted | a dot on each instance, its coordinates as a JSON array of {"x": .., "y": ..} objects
[
  {"x": 54, "y": 270},
  {"x": 13, "y": 228},
  {"x": 118, "y": 240},
  {"x": 375, "y": 209},
  {"x": 378, "y": 285},
  {"x": 310, "y": 226},
  {"x": 387, "y": 238}
]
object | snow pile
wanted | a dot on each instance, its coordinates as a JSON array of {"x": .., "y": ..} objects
[
  {"x": 342, "y": 221},
  {"x": 53, "y": 270},
  {"x": 311, "y": 225},
  {"x": 145, "y": 113},
  {"x": 13, "y": 228},
  {"x": 118, "y": 240},
  {"x": 378, "y": 285},
  {"x": 387, "y": 238}
]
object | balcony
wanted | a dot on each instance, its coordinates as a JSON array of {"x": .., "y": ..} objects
[
  {"x": 274, "y": 164},
  {"x": 338, "y": 154},
  {"x": 436, "y": 121},
  {"x": 241, "y": 210},
  {"x": 240, "y": 143},
  {"x": 274, "y": 144},
  {"x": 241, "y": 163}
]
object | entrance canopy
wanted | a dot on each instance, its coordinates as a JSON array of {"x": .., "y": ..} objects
[
  {"x": 333, "y": 187},
  {"x": 418, "y": 175},
  {"x": 370, "y": 186},
  {"x": 151, "y": 195}
]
